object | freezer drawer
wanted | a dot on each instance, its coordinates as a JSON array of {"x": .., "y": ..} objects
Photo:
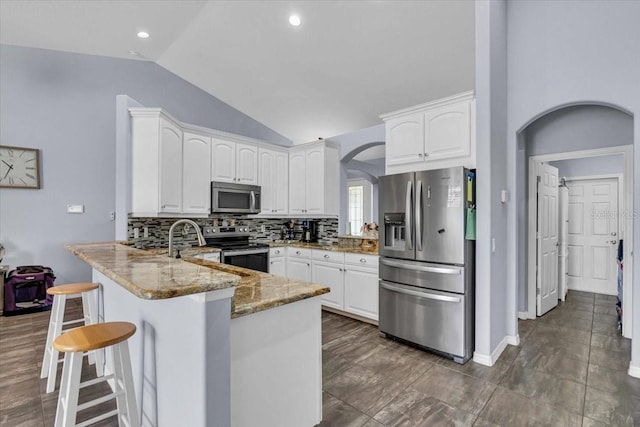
[
  {"x": 432, "y": 319},
  {"x": 447, "y": 278}
]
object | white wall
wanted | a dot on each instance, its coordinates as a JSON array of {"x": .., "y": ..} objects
[{"x": 564, "y": 53}]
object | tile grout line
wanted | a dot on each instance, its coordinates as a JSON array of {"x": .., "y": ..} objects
[{"x": 586, "y": 379}]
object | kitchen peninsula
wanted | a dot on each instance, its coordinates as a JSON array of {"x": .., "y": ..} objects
[{"x": 216, "y": 345}]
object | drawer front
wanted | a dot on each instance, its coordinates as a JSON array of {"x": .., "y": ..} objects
[
  {"x": 294, "y": 252},
  {"x": 370, "y": 261},
  {"x": 277, "y": 252},
  {"x": 329, "y": 256}
]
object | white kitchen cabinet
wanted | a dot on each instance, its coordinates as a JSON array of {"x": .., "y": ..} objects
[
  {"x": 330, "y": 274},
  {"x": 196, "y": 166},
  {"x": 361, "y": 291},
  {"x": 234, "y": 162},
  {"x": 156, "y": 163},
  {"x": 299, "y": 264},
  {"x": 405, "y": 140},
  {"x": 273, "y": 170},
  {"x": 435, "y": 135},
  {"x": 314, "y": 174},
  {"x": 170, "y": 167},
  {"x": 277, "y": 262}
]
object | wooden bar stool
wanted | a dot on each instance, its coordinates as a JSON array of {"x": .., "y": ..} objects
[
  {"x": 90, "y": 316},
  {"x": 87, "y": 338}
]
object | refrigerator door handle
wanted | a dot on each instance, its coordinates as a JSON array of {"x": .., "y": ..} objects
[
  {"x": 392, "y": 288},
  {"x": 428, "y": 269},
  {"x": 408, "y": 225},
  {"x": 419, "y": 215}
]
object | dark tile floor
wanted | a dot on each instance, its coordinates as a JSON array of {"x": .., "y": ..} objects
[
  {"x": 23, "y": 401},
  {"x": 569, "y": 370}
]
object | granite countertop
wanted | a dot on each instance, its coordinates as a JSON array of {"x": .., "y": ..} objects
[
  {"x": 150, "y": 274},
  {"x": 324, "y": 247}
]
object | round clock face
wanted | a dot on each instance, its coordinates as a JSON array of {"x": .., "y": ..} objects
[{"x": 19, "y": 167}]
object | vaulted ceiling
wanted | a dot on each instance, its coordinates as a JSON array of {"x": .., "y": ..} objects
[{"x": 347, "y": 63}]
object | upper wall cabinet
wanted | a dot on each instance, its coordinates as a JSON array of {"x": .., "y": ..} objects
[
  {"x": 435, "y": 135},
  {"x": 234, "y": 162},
  {"x": 169, "y": 168},
  {"x": 196, "y": 166},
  {"x": 314, "y": 174},
  {"x": 273, "y": 168}
]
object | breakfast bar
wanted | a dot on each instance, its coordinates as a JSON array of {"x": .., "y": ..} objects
[{"x": 216, "y": 345}]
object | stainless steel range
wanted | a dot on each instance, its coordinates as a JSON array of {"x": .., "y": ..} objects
[
  {"x": 427, "y": 264},
  {"x": 236, "y": 248}
]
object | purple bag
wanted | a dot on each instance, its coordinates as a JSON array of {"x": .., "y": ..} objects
[{"x": 25, "y": 290}]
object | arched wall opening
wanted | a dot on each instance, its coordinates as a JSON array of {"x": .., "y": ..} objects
[{"x": 584, "y": 129}]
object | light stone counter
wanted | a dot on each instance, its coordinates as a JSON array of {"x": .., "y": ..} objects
[{"x": 333, "y": 248}]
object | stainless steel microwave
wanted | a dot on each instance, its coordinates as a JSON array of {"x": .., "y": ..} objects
[{"x": 234, "y": 198}]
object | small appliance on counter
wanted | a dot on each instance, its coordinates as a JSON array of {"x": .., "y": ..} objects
[
  {"x": 288, "y": 230},
  {"x": 309, "y": 231}
]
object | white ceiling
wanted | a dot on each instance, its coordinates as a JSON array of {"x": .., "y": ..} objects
[{"x": 348, "y": 62}]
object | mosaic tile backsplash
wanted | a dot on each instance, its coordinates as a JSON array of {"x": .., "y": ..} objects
[{"x": 158, "y": 230}]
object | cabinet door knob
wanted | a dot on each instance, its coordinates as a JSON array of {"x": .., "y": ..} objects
[
  {"x": 363, "y": 260},
  {"x": 419, "y": 154},
  {"x": 297, "y": 252},
  {"x": 326, "y": 256},
  {"x": 426, "y": 154}
]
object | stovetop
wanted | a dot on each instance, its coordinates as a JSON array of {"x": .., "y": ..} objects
[
  {"x": 236, "y": 245},
  {"x": 230, "y": 238}
]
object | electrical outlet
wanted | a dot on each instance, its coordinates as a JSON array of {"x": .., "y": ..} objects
[
  {"x": 263, "y": 228},
  {"x": 112, "y": 216},
  {"x": 145, "y": 232},
  {"x": 136, "y": 233},
  {"x": 493, "y": 245}
]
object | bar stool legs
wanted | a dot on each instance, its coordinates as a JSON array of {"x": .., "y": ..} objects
[
  {"x": 90, "y": 316},
  {"x": 74, "y": 343}
]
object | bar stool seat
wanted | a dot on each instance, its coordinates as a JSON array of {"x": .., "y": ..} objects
[
  {"x": 56, "y": 322},
  {"x": 86, "y": 338}
]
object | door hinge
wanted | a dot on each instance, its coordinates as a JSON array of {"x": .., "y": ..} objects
[
  {"x": 537, "y": 291},
  {"x": 538, "y": 178}
]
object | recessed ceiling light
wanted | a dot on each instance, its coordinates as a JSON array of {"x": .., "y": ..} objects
[
  {"x": 134, "y": 53},
  {"x": 294, "y": 20},
  {"x": 143, "y": 34}
]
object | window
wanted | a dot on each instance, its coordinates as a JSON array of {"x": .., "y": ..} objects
[{"x": 356, "y": 203}]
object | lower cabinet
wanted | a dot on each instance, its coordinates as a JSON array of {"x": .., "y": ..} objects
[
  {"x": 277, "y": 262},
  {"x": 361, "y": 291},
  {"x": 299, "y": 264},
  {"x": 330, "y": 274},
  {"x": 352, "y": 277}
]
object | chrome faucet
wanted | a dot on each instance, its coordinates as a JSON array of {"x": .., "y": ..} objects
[{"x": 201, "y": 241}]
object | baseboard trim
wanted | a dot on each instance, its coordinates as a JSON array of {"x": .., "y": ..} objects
[
  {"x": 524, "y": 315},
  {"x": 513, "y": 339},
  {"x": 490, "y": 360},
  {"x": 634, "y": 371}
]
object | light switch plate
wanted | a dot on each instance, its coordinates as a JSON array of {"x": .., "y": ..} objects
[{"x": 75, "y": 209}]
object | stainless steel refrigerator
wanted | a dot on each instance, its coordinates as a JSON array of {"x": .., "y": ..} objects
[{"x": 427, "y": 264}]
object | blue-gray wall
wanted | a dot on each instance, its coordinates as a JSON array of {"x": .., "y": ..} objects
[
  {"x": 494, "y": 301},
  {"x": 563, "y": 53},
  {"x": 590, "y": 166},
  {"x": 65, "y": 105}
]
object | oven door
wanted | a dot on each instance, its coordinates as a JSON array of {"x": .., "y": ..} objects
[{"x": 253, "y": 259}]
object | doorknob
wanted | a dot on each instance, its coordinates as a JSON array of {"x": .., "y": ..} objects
[
  {"x": 613, "y": 242},
  {"x": 613, "y": 233}
]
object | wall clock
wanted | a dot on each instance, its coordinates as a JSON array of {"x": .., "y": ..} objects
[{"x": 19, "y": 167}]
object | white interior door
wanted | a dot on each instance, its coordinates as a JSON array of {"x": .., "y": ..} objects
[
  {"x": 593, "y": 235},
  {"x": 547, "y": 230}
]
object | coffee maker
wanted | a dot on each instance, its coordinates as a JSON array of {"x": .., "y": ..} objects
[{"x": 309, "y": 231}]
